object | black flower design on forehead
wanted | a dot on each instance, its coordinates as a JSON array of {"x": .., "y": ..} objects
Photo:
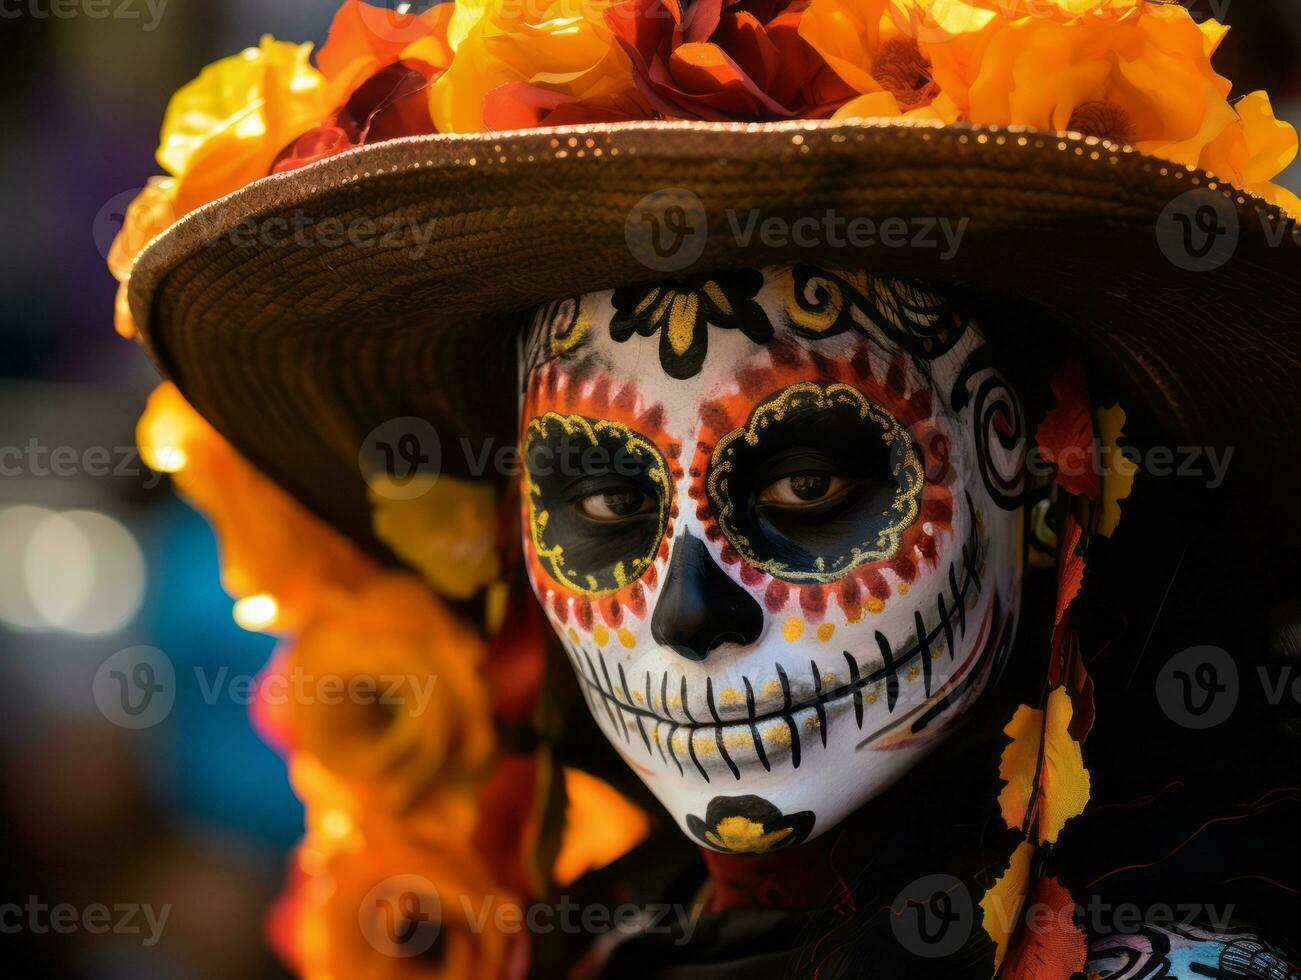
[{"x": 683, "y": 311}]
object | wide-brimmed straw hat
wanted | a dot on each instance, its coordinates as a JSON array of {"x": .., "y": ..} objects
[{"x": 296, "y": 349}]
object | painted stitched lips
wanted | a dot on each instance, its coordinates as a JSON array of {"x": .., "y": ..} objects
[
  {"x": 700, "y": 725},
  {"x": 749, "y": 825}
]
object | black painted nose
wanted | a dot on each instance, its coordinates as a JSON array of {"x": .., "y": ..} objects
[{"x": 701, "y": 607}]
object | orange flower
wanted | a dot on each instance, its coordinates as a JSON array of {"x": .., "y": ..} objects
[
  {"x": 1144, "y": 79},
  {"x": 397, "y": 908},
  {"x": 365, "y": 38},
  {"x": 865, "y": 46},
  {"x": 390, "y": 694},
  {"x": 1254, "y": 150},
  {"x": 271, "y": 546},
  {"x": 225, "y": 128},
  {"x": 149, "y": 214},
  {"x": 561, "y": 48}
]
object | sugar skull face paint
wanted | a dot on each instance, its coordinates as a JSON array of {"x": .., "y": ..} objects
[{"x": 773, "y": 517}]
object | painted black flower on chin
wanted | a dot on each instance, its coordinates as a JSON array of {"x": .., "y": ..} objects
[
  {"x": 684, "y": 310},
  {"x": 749, "y": 825}
]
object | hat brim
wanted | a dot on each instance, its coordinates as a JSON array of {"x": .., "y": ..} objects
[{"x": 288, "y": 320}]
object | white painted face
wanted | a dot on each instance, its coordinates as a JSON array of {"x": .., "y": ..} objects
[{"x": 773, "y": 517}]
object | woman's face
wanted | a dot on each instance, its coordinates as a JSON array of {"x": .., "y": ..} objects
[{"x": 773, "y": 517}]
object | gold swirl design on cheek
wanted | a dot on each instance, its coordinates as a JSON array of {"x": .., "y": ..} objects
[
  {"x": 900, "y": 514},
  {"x": 551, "y": 554}
]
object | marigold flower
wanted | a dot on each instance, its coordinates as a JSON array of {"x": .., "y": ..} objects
[
  {"x": 865, "y": 46},
  {"x": 726, "y": 59},
  {"x": 398, "y": 908},
  {"x": 561, "y": 47},
  {"x": 1144, "y": 79},
  {"x": 412, "y": 709}
]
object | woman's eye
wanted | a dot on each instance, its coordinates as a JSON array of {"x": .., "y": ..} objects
[
  {"x": 803, "y": 489},
  {"x": 616, "y": 505}
]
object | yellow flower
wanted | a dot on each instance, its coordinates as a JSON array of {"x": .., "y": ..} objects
[
  {"x": 444, "y": 528},
  {"x": 386, "y": 692},
  {"x": 225, "y": 128},
  {"x": 270, "y": 544},
  {"x": 562, "y": 46}
]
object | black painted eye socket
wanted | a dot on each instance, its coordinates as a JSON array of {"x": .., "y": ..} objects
[
  {"x": 804, "y": 489},
  {"x": 599, "y": 496},
  {"x": 616, "y": 504},
  {"x": 817, "y": 482}
]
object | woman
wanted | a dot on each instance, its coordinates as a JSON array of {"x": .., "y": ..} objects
[{"x": 818, "y": 445}]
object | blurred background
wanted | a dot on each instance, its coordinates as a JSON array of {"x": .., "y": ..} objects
[{"x": 96, "y": 553}]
